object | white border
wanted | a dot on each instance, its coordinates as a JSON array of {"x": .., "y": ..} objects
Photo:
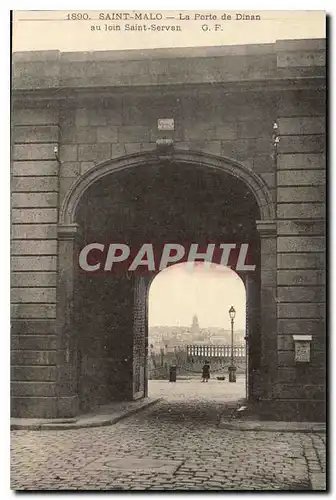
[{"x": 328, "y": 6}]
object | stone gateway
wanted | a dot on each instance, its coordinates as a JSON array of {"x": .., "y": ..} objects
[{"x": 89, "y": 164}]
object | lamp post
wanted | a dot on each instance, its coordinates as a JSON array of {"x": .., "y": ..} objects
[{"x": 232, "y": 368}]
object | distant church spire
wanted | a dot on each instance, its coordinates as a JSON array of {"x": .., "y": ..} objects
[{"x": 195, "y": 325}]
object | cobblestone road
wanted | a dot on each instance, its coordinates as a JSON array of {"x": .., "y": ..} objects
[{"x": 173, "y": 445}]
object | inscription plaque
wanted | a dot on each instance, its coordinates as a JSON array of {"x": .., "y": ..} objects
[
  {"x": 302, "y": 348},
  {"x": 166, "y": 124}
]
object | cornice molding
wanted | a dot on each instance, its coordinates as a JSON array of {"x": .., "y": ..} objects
[{"x": 56, "y": 95}]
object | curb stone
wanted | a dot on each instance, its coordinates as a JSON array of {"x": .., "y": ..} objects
[
  {"x": 83, "y": 422},
  {"x": 318, "y": 481},
  {"x": 272, "y": 426}
]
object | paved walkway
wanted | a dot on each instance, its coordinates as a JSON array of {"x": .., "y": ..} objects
[{"x": 173, "y": 445}]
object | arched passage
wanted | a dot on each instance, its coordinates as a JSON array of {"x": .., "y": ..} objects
[{"x": 186, "y": 197}]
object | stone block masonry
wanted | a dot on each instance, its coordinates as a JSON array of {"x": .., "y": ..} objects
[
  {"x": 94, "y": 108},
  {"x": 34, "y": 260},
  {"x": 301, "y": 244}
]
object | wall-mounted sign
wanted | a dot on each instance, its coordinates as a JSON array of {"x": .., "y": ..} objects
[
  {"x": 166, "y": 124},
  {"x": 302, "y": 348}
]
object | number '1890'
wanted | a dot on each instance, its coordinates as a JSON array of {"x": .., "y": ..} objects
[{"x": 78, "y": 16}]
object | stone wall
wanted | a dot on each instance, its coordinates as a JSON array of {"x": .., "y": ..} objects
[
  {"x": 105, "y": 340},
  {"x": 238, "y": 127},
  {"x": 301, "y": 246},
  {"x": 35, "y": 191},
  {"x": 301, "y": 194},
  {"x": 98, "y": 107}
]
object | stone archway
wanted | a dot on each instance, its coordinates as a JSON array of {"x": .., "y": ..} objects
[
  {"x": 68, "y": 230},
  {"x": 256, "y": 184}
]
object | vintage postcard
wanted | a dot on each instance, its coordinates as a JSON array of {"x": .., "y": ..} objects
[{"x": 168, "y": 250}]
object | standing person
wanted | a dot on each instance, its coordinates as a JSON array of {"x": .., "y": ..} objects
[{"x": 205, "y": 372}]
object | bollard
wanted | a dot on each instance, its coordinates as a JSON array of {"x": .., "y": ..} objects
[
  {"x": 232, "y": 373},
  {"x": 172, "y": 373}
]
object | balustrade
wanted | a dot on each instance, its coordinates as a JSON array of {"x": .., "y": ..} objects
[{"x": 215, "y": 351}]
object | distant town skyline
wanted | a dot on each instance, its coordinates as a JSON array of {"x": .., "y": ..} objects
[
  {"x": 188, "y": 327},
  {"x": 179, "y": 292},
  {"x": 178, "y": 336}
]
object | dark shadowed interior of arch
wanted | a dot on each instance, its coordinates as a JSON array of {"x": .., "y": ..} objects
[{"x": 146, "y": 204}]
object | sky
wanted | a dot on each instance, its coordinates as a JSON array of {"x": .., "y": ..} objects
[
  {"x": 178, "y": 292},
  {"x": 51, "y": 30}
]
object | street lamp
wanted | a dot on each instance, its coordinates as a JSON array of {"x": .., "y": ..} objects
[{"x": 232, "y": 368}]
